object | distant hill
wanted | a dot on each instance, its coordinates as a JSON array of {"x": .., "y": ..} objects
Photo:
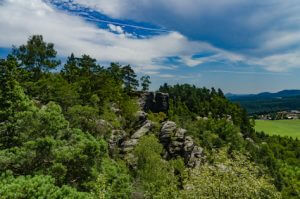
[
  {"x": 264, "y": 95},
  {"x": 268, "y": 102}
]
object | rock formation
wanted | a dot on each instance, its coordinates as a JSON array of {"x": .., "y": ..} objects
[
  {"x": 175, "y": 140},
  {"x": 177, "y": 143},
  {"x": 129, "y": 144},
  {"x": 154, "y": 101}
]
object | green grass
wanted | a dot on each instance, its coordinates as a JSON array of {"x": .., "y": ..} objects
[{"x": 289, "y": 128}]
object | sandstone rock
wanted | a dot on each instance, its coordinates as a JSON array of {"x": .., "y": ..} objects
[
  {"x": 180, "y": 133},
  {"x": 143, "y": 130},
  {"x": 161, "y": 102},
  {"x": 117, "y": 136},
  {"x": 168, "y": 127},
  {"x": 127, "y": 149},
  {"x": 154, "y": 102},
  {"x": 130, "y": 143},
  {"x": 188, "y": 145},
  {"x": 177, "y": 143},
  {"x": 141, "y": 115},
  {"x": 197, "y": 152}
]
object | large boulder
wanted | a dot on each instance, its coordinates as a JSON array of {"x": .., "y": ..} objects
[
  {"x": 167, "y": 130},
  {"x": 143, "y": 130},
  {"x": 178, "y": 144},
  {"x": 141, "y": 117},
  {"x": 154, "y": 101},
  {"x": 161, "y": 102}
]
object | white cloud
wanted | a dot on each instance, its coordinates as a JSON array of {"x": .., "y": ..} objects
[
  {"x": 266, "y": 30},
  {"x": 115, "y": 28},
  {"x": 134, "y": 8},
  {"x": 279, "y": 62},
  {"x": 19, "y": 19},
  {"x": 166, "y": 75},
  {"x": 110, "y": 7}
]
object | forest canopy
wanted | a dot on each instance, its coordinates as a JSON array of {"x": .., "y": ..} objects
[{"x": 57, "y": 127}]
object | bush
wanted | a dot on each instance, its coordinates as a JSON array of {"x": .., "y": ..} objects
[
  {"x": 38, "y": 186},
  {"x": 234, "y": 177},
  {"x": 156, "y": 175}
]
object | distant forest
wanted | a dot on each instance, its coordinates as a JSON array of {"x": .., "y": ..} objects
[{"x": 260, "y": 104}]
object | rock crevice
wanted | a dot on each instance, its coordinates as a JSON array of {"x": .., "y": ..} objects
[{"x": 154, "y": 101}]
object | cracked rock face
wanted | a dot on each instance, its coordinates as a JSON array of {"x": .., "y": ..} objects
[
  {"x": 129, "y": 144},
  {"x": 154, "y": 101},
  {"x": 175, "y": 140},
  {"x": 177, "y": 143},
  {"x": 116, "y": 138}
]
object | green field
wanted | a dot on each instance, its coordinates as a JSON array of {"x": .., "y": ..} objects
[{"x": 279, "y": 127}]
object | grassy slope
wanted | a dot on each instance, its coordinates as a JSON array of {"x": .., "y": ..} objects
[{"x": 279, "y": 127}]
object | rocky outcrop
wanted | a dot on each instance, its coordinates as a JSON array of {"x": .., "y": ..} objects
[
  {"x": 129, "y": 144},
  {"x": 177, "y": 143},
  {"x": 175, "y": 140},
  {"x": 154, "y": 101}
]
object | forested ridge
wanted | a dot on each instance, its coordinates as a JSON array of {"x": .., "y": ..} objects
[
  {"x": 57, "y": 127},
  {"x": 263, "y": 104}
]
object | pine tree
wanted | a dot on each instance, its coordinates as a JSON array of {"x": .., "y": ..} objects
[
  {"x": 145, "y": 82},
  {"x": 130, "y": 81},
  {"x": 36, "y": 56}
]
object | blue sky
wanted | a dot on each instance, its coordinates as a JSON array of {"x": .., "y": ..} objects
[{"x": 240, "y": 46}]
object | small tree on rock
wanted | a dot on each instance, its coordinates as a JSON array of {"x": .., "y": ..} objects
[{"x": 145, "y": 82}]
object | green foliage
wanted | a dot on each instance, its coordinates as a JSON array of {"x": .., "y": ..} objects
[
  {"x": 114, "y": 181},
  {"x": 290, "y": 128},
  {"x": 156, "y": 175},
  {"x": 52, "y": 136},
  {"x": 129, "y": 77},
  {"x": 145, "y": 82},
  {"x": 12, "y": 101},
  {"x": 260, "y": 105},
  {"x": 54, "y": 88},
  {"x": 115, "y": 70},
  {"x": 48, "y": 146},
  {"x": 83, "y": 117},
  {"x": 110, "y": 116},
  {"x": 282, "y": 157},
  {"x": 38, "y": 186},
  {"x": 234, "y": 177},
  {"x": 188, "y": 102},
  {"x": 157, "y": 117},
  {"x": 216, "y": 133},
  {"x": 129, "y": 107},
  {"x": 291, "y": 174},
  {"x": 91, "y": 80},
  {"x": 36, "y": 56}
]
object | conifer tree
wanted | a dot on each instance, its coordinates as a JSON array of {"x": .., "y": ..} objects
[{"x": 36, "y": 56}]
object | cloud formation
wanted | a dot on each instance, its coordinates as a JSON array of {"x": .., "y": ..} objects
[
  {"x": 20, "y": 19},
  {"x": 265, "y": 32},
  {"x": 252, "y": 33}
]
